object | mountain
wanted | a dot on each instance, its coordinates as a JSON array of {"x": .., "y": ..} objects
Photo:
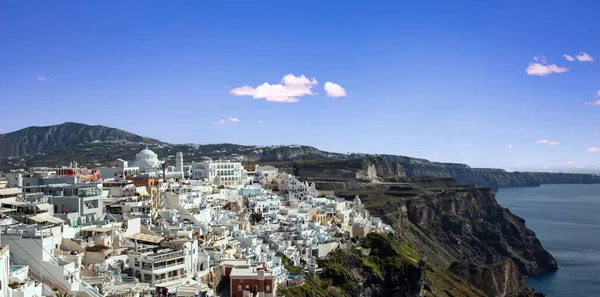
[
  {"x": 33, "y": 140},
  {"x": 95, "y": 145}
]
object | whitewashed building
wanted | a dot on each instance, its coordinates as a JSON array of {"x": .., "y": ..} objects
[{"x": 219, "y": 173}]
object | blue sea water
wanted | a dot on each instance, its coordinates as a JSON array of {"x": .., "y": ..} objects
[{"x": 566, "y": 219}]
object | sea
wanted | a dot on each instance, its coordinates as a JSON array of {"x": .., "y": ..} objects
[{"x": 566, "y": 219}]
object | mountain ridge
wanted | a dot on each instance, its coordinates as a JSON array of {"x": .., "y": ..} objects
[
  {"x": 97, "y": 144},
  {"x": 44, "y": 139}
]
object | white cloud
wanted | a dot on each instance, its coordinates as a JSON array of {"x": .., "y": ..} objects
[
  {"x": 595, "y": 133},
  {"x": 334, "y": 90},
  {"x": 510, "y": 146},
  {"x": 259, "y": 121},
  {"x": 43, "y": 78},
  {"x": 291, "y": 88},
  {"x": 548, "y": 142},
  {"x": 570, "y": 162},
  {"x": 541, "y": 67},
  {"x": 597, "y": 102},
  {"x": 584, "y": 57},
  {"x": 593, "y": 150},
  {"x": 234, "y": 120},
  {"x": 569, "y": 58},
  {"x": 547, "y": 168},
  {"x": 221, "y": 122}
]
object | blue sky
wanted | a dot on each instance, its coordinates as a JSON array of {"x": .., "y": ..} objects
[{"x": 442, "y": 80}]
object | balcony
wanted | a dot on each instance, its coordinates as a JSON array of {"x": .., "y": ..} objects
[
  {"x": 169, "y": 279},
  {"x": 166, "y": 256}
]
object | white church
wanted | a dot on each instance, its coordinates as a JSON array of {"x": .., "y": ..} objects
[{"x": 146, "y": 162}]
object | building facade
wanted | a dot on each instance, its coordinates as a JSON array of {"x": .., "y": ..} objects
[{"x": 219, "y": 173}]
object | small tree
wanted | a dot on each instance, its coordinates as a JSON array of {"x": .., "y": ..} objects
[{"x": 255, "y": 218}]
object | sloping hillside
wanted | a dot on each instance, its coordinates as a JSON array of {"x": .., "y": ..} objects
[{"x": 33, "y": 140}]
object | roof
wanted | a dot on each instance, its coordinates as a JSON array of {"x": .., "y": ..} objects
[
  {"x": 15, "y": 203},
  {"x": 10, "y": 191},
  {"x": 142, "y": 191},
  {"x": 45, "y": 218},
  {"x": 187, "y": 290},
  {"x": 96, "y": 229},
  {"x": 147, "y": 238},
  {"x": 44, "y": 206}
]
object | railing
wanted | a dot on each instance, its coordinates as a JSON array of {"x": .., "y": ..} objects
[
  {"x": 27, "y": 233},
  {"x": 163, "y": 266},
  {"x": 166, "y": 256},
  {"x": 169, "y": 279}
]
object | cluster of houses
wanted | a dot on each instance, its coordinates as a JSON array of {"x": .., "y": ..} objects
[{"x": 211, "y": 228}]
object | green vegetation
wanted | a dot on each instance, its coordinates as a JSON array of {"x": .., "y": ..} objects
[
  {"x": 312, "y": 287},
  {"x": 445, "y": 284}
]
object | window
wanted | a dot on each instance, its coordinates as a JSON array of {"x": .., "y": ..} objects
[
  {"x": 267, "y": 288},
  {"x": 239, "y": 288},
  {"x": 247, "y": 287}
]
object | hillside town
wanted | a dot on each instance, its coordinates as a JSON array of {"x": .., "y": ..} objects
[{"x": 145, "y": 227}]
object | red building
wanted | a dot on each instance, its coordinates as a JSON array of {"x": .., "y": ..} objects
[{"x": 245, "y": 280}]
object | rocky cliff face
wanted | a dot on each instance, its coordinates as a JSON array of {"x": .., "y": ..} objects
[
  {"x": 499, "y": 279},
  {"x": 469, "y": 226},
  {"x": 34, "y": 140},
  {"x": 481, "y": 177},
  {"x": 369, "y": 168},
  {"x": 487, "y": 177}
]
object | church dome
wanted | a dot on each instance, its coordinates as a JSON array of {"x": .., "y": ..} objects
[
  {"x": 146, "y": 159},
  {"x": 146, "y": 154}
]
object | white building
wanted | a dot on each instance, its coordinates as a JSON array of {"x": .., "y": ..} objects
[
  {"x": 168, "y": 266},
  {"x": 118, "y": 170},
  {"x": 33, "y": 246},
  {"x": 179, "y": 162},
  {"x": 4, "y": 270},
  {"x": 219, "y": 173},
  {"x": 146, "y": 160}
]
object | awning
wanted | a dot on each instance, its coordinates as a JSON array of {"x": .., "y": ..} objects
[
  {"x": 37, "y": 219},
  {"x": 10, "y": 191},
  {"x": 142, "y": 191},
  {"x": 44, "y": 206}
]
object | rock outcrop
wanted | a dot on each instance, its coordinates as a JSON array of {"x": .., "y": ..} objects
[
  {"x": 468, "y": 225},
  {"x": 499, "y": 279}
]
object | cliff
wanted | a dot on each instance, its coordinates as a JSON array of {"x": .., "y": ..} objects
[
  {"x": 499, "y": 279},
  {"x": 481, "y": 177},
  {"x": 467, "y": 225},
  {"x": 368, "y": 168},
  {"x": 459, "y": 232},
  {"x": 381, "y": 265},
  {"x": 487, "y": 177}
]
